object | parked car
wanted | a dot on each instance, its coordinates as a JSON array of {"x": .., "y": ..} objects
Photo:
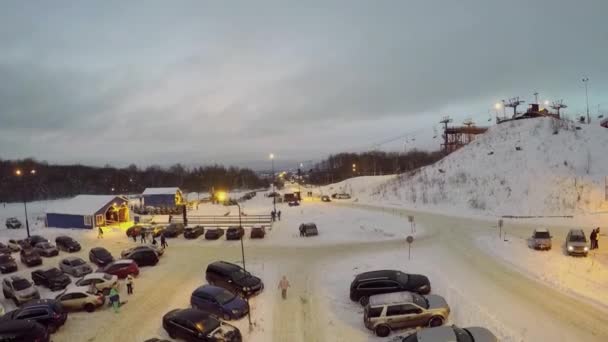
[
  {"x": 258, "y": 232},
  {"x": 36, "y": 239},
  {"x": 80, "y": 299},
  {"x": 576, "y": 243},
  {"x": 143, "y": 257},
  {"x": 197, "y": 325},
  {"x": 19, "y": 289},
  {"x": 541, "y": 239},
  {"x": 398, "y": 310},
  {"x": 121, "y": 268},
  {"x": 308, "y": 229},
  {"x": 23, "y": 331},
  {"x": 219, "y": 301},
  {"x": 47, "y": 312},
  {"x": 214, "y": 234},
  {"x": 103, "y": 282},
  {"x": 46, "y": 249},
  {"x": 4, "y": 249},
  {"x": 233, "y": 278},
  {"x": 7, "y": 263},
  {"x": 174, "y": 230},
  {"x": 75, "y": 266},
  {"x": 67, "y": 244},
  {"x": 100, "y": 256},
  {"x": 386, "y": 281},
  {"x": 30, "y": 257},
  {"x": 293, "y": 203},
  {"x": 452, "y": 333},
  {"x": 52, "y": 278},
  {"x": 158, "y": 250},
  {"x": 235, "y": 233},
  {"x": 17, "y": 245},
  {"x": 13, "y": 223},
  {"x": 325, "y": 198},
  {"x": 342, "y": 196},
  {"x": 194, "y": 232}
]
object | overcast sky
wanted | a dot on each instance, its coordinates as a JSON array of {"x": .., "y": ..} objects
[{"x": 197, "y": 82}]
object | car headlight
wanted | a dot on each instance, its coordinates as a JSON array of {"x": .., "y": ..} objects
[
  {"x": 586, "y": 248},
  {"x": 235, "y": 311},
  {"x": 570, "y": 248},
  {"x": 246, "y": 288}
]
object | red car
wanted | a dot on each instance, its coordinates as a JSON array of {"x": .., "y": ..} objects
[{"x": 121, "y": 268}]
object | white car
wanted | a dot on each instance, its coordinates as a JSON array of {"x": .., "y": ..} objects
[
  {"x": 78, "y": 299},
  {"x": 103, "y": 281}
]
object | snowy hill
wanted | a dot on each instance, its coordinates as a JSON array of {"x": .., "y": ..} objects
[{"x": 527, "y": 167}]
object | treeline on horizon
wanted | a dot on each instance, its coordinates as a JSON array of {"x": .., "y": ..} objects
[
  {"x": 339, "y": 167},
  {"x": 60, "y": 181}
]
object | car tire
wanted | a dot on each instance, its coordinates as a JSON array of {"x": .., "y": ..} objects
[
  {"x": 364, "y": 300},
  {"x": 435, "y": 321},
  {"x": 382, "y": 330},
  {"x": 89, "y": 307},
  {"x": 172, "y": 334}
]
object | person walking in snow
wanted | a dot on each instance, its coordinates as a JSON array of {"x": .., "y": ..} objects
[
  {"x": 99, "y": 233},
  {"x": 283, "y": 286},
  {"x": 134, "y": 237},
  {"x": 593, "y": 238},
  {"x": 143, "y": 236},
  {"x": 279, "y": 215},
  {"x": 273, "y": 215},
  {"x": 597, "y": 238},
  {"x": 115, "y": 299},
  {"x": 130, "y": 284},
  {"x": 163, "y": 240}
]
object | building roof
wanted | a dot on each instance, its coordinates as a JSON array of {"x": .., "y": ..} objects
[
  {"x": 160, "y": 191},
  {"x": 81, "y": 205}
]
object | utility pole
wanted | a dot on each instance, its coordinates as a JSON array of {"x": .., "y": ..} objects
[
  {"x": 445, "y": 121},
  {"x": 586, "y": 81}
]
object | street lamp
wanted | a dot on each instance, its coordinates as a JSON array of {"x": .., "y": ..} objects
[
  {"x": 274, "y": 197},
  {"x": 243, "y": 259},
  {"x": 586, "y": 80},
  {"x": 20, "y": 175}
]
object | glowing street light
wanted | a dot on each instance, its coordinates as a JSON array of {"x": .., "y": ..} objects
[
  {"x": 221, "y": 196},
  {"x": 498, "y": 106}
]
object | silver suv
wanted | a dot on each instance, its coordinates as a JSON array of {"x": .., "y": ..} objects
[
  {"x": 576, "y": 243},
  {"x": 541, "y": 239},
  {"x": 402, "y": 310},
  {"x": 19, "y": 289}
]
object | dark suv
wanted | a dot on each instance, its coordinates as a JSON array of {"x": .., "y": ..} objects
[
  {"x": 386, "y": 281},
  {"x": 23, "y": 331},
  {"x": 30, "y": 257},
  {"x": 194, "y": 232},
  {"x": 214, "y": 234},
  {"x": 47, "y": 312},
  {"x": 7, "y": 263},
  {"x": 67, "y": 244},
  {"x": 233, "y": 278},
  {"x": 13, "y": 223},
  {"x": 258, "y": 232},
  {"x": 197, "y": 325},
  {"x": 234, "y": 233},
  {"x": 52, "y": 278},
  {"x": 143, "y": 257},
  {"x": 173, "y": 230}
]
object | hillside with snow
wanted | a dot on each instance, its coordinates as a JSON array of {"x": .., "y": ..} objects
[{"x": 527, "y": 167}]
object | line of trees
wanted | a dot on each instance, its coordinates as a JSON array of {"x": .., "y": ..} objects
[
  {"x": 346, "y": 165},
  {"x": 59, "y": 181}
]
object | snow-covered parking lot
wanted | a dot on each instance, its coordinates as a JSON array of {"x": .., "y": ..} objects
[{"x": 481, "y": 288}]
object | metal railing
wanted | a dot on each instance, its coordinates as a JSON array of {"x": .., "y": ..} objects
[{"x": 225, "y": 221}]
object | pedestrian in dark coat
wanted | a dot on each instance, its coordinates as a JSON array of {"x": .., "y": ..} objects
[
  {"x": 597, "y": 238},
  {"x": 279, "y": 215},
  {"x": 163, "y": 240},
  {"x": 143, "y": 236},
  {"x": 593, "y": 238},
  {"x": 273, "y": 215}
]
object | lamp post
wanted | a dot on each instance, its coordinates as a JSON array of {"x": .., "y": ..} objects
[
  {"x": 243, "y": 259},
  {"x": 586, "y": 80},
  {"x": 274, "y": 197},
  {"x": 20, "y": 175}
]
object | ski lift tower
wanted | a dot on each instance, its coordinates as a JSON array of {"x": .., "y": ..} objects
[
  {"x": 513, "y": 103},
  {"x": 557, "y": 106},
  {"x": 445, "y": 121}
]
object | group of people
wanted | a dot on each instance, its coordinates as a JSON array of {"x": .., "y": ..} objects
[
  {"x": 147, "y": 235},
  {"x": 594, "y": 237},
  {"x": 275, "y": 215}
]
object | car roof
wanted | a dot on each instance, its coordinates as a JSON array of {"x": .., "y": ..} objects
[
  {"x": 23, "y": 325},
  {"x": 72, "y": 258},
  {"x": 444, "y": 333},
  {"x": 576, "y": 232},
  {"x": 210, "y": 289},
  {"x": 378, "y": 274},
  {"x": 224, "y": 265},
  {"x": 123, "y": 261},
  {"x": 94, "y": 275},
  {"x": 193, "y": 315},
  {"x": 38, "y": 302},
  {"x": 391, "y": 298},
  {"x": 17, "y": 277},
  {"x": 541, "y": 230},
  {"x": 98, "y": 249}
]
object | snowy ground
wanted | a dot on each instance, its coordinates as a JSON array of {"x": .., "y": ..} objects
[{"x": 474, "y": 273}]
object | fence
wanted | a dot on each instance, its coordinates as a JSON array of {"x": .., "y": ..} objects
[{"x": 226, "y": 221}]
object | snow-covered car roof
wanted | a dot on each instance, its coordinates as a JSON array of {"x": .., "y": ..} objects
[{"x": 391, "y": 298}]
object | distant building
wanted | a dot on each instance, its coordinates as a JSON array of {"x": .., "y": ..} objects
[
  {"x": 162, "y": 197},
  {"x": 88, "y": 211}
]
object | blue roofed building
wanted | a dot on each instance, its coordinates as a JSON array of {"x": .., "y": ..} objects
[
  {"x": 162, "y": 197},
  {"x": 88, "y": 212}
]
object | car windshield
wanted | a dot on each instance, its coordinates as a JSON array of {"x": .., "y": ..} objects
[
  {"x": 21, "y": 284},
  {"x": 44, "y": 245},
  {"x": 53, "y": 272},
  {"x": 107, "y": 276},
  {"x": 102, "y": 253},
  {"x": 462, "y": 335},
  {"x": 420, "y": 300},
  {"x": 224, "y": 297},
  {"x": 577, "y": 238},
  {"x": 402, "y": 278},
  {"x": 542, "y": 235},
  {"x": 208, "y": 325},
  {"x": 77, "y": 262},
  {"x": 240, "y": 274},
  {"x": 5, "y": 258}
]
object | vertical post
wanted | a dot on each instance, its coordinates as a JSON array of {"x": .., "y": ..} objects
[
  {"x": 586, "y": 80},
  {"x": 243, "y": 259},
  {"x": 409, "y": 251}
]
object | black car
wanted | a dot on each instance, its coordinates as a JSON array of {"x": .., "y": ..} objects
[
  {"x": 30, "y": 257},
  {"x": 7, "y": 263},
  {"x": 196, "y": 325},
  {"x": 233, "y": 278},
  {"x": 13, "y": 223},
  {"x": 23, "y": 331},
  {"x": 67, "y": 244},
  {"x": 386, "y": 281},
  {"x": 173, "y": 230},
  {"x": 36, "y": 239},
  {"x": 258, "y": 233},
  {"x": 52, "y": 278},
  {"x": 214, "y": 234},
  {"x": 294, "y": 204},
  {"x": 46, "y": 249},
  {"x": 4, "y": 249},
  {"x": 100, "y": 256},
  {"x": 47, "y": 312},
  {"x": 325, "y": 198},
  {"x": 308, "y": 229},
  {"x": 235, "y": 233},
  {"x": 143, "y": 257},
  {"x": 194, "y": 232}
]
